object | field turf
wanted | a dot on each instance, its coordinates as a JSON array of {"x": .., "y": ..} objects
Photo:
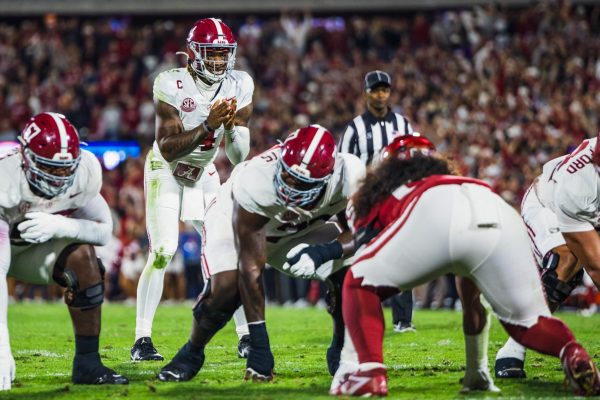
[{"x": 423, "y": 365}]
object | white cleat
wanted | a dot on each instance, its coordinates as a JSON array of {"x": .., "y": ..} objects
[{"x": 478, "y": 380}]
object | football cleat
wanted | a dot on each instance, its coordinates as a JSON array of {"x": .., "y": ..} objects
[
  {"x": 244, "y": 346},
  {"x": 479, "y": 380},
  {"x": 509, "y": 367},
  {"x": 364, "y": 384},
  {"x": 100, "y": 375},
  {"x": 346, "y": 368},
  {"x": 580, "y": 371},
  {"x": 252, "y": 375},
  {"x": 401, "y": 327},
  {"x": 144, "y": 350},
  {"x": 183, "y": 367}
]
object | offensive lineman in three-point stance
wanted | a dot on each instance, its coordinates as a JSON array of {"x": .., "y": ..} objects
[{"x": 51, "y": 216}]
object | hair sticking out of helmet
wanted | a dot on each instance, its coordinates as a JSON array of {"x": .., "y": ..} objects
[
  {"x": 406, "y": 146},
  {"x": 211, "y": 49},
  {"x": 596, "y": 153},
  {"x": 306, "y": 165},
  {"x": 51, "y": 153}
]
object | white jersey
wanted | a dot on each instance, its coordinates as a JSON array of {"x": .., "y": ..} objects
[
  {"x": 194, "y": 99},
  {"x": 17, "y": 199},
  {"x": 570, "y": 187},
  {"x": 252, "y": 186}
]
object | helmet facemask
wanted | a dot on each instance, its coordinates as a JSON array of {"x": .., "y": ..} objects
[
  {"x": 206, "y": 66},
  {"x": 311, "y": 189},
  {"x": 39, "y": 176}
]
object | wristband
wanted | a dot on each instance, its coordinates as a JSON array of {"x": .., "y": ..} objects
[
  {"x": 331, "y": 251},
  {"x": 208, "y": 128}
]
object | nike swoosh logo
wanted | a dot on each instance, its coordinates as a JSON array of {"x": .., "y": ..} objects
[
  {"x": 355, "y": 383},
  {"x": 76, "y": 194},
  {"x": 212, "y": 173}
]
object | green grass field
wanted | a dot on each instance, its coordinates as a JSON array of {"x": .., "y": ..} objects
[{"x": 425, "y": 364}]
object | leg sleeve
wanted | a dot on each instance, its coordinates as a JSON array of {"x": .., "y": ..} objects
[{"x": 163, "y": 195}]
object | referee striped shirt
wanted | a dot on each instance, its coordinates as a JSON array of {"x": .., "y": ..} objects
[{"x": 366, "y": 135}]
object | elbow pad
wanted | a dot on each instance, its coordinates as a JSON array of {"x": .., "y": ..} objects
[{"x": 237, "y": 144}]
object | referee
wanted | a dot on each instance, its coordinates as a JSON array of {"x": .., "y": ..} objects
[{"x": 365, "y": 136}]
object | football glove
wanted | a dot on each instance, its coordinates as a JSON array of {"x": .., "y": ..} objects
[
  {"x": 39, "y": 227},
  {"x": 303, "y": 260}
]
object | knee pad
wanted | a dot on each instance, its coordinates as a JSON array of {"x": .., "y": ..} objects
[
  {"x": 87, "y": 298},
  {"x": 557, "y": 290}
]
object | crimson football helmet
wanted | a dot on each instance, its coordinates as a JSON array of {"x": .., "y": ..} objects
[
  {"x": 51, "y": 153},
  {"x": 406, "y": 146},
  {"x": 307, "y": 158},
  {"x": 210, "y": 36}
]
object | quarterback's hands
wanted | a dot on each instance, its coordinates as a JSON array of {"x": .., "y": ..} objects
[
  {"x": 303, "y": 259},
  {"x": 229, "y": 123},
  {"x": 219, "y": 113},
  {"x": 39, "y": 227},
  {"x": 7, "y": 369}
]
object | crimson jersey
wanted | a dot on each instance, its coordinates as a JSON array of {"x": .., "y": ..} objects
[{"x": 397, "y": 204}]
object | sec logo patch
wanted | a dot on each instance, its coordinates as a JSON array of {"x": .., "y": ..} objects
[{"x": 188, "y": 105}]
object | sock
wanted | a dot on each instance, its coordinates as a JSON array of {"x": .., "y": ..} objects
[
  {"x": 511, "y": 349},
  {"x": 258, "y": 335},
  {"x": 476, "y": 348},
  {"x": 364, "y": 319},
  {"x": 194, "y": 350},
  {"x": 370, "y": 366},
  {"x": 241, "y": 325},
  {"x": 548, "y": 336},
  {"x": 86, "y": 344},
  {"x": 149, "y": 292}
]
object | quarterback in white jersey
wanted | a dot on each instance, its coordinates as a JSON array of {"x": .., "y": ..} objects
[
  {"x": 51, "y": 216},
  {"x": 562, "y": 212},
  {"x": 197, "y": 108},
  {"x": 275, "y": 208}
]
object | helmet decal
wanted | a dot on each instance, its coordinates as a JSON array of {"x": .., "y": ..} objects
[
  {"x": 51, "y": 153},
  {"x": 306, "y": 165}
]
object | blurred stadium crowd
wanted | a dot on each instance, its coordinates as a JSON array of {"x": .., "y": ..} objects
[{"x": 501, "y": 90}]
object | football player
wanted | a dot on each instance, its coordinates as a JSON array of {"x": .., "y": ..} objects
[
  {"x": 197, "y": 107},
  {"x": 51, "y": 216},
  {"x": 270, "y": 210},
  {"x": 561, "y": 210},
  {"x": 414, "y": 220}
]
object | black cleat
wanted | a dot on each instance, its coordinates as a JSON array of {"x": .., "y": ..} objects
[
  {"x": 144, "y": 350},
  {"x": 84, "y": 374},
  {"x": 183, "y": 367},
  {"x": 244, "y": 346},
  {"x": 510, "y": 367}
]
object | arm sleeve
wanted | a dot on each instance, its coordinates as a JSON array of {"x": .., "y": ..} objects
[
  {"x": 91, "y": 223},
  {"x": 237, "y": 144}
]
